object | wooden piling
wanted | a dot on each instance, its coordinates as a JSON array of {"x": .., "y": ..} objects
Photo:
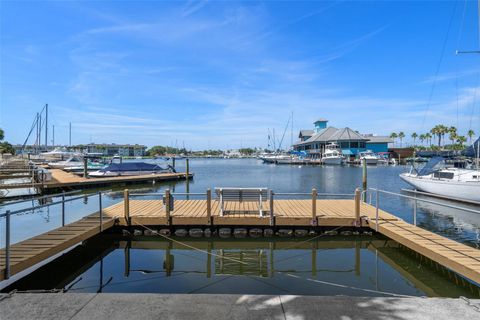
[
  {"x": 167, "y": 205},
  {"x": 364, "y": 179},
  {"x": 357, "y": 205},
  {"x": 209, "y": 206},
  {"x": 85, "y": 167},
  {"x": 314, "y": 205},
  {"x": 187, "y": 168},
  {"x": 272, "y": 218},
  {"x": 126, "y": 202}
]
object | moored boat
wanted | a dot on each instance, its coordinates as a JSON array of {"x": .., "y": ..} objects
[
  {"x": 131, "y": 169},
  {"x": 450, "y": 182},
  {"x": 369, "y": 157},
  {"x": 332, "y": 155}
]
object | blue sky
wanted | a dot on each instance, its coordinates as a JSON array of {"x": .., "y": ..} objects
[{"x": 219, "y": 74}]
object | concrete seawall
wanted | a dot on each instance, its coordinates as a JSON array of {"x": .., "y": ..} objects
[{"x": 214, "y": 306}]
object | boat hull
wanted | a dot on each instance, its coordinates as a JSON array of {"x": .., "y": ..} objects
[
  {"x": 105, "y": 174},
  {"x": 332, "y": 161},
  {"x": 454, "y": 189}
]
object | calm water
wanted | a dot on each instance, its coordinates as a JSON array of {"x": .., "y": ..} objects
[
  {"x": 383, "y": 267},
  {"x": 334, "y": 265}
]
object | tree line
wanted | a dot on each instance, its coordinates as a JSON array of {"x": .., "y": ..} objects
[
  {"x": 436, "y": 138},
  {"x": 5, "y": 147}
]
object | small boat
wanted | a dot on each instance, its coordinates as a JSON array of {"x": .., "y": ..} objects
[
  {"x": 91, "y": 166},
  {"x": 131, "y": 169},
  {"x": 369, "y": 157},
  {"x": 58, "y": 154},
  {"x": 332, "y": 155},
  {"x": 71, "y": 162},
  {"x": 450, "y": 182}
]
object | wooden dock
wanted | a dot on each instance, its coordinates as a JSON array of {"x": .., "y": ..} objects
[
  {"x": 62, "y": 179},
  {"x": 305, "y": 214},
  {"x": 28, "y": 253}
]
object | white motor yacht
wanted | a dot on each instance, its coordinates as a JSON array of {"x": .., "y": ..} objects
[
  {"x": 58, "y": 154},
  {"x": 369, "y": 157},
  {"x": 332, "y": 155}
]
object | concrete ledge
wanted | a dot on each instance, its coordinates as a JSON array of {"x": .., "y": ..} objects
[{"x": 204, "y": 306}]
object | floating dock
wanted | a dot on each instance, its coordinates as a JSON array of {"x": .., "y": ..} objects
[
  {"x": 66, "y": 180},
  {"x": 285, "y": 214}
]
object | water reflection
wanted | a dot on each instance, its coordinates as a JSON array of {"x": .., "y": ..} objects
[{"x": 354, "y": 265}]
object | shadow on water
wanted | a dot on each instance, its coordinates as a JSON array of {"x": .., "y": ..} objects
[{"x": 337, "y": 265}]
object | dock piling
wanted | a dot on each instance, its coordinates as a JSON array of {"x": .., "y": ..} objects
[
  {"x": 85, "y": 167},
  {"x": 357, "y": 205},
  {"x": 187, "y": 169},
  {"x": 314, "y": 205},
  {"x": 272, "y": 218},
  {"x": 167, "y": 205},
  {"x": 7, "y": 245},
  {"x": 364, "y": 178},
  {"x": 126, "y": 202},
  {"x": 209, "y": 206}
]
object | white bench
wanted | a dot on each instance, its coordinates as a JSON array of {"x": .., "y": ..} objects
[{"x": 259, "y": 195}]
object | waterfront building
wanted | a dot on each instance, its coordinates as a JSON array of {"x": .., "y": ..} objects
[
  {"x": 351, "y": 142},
  {"x": 125, "y": 150}
]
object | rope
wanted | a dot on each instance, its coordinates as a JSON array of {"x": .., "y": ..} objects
[
  {"x": 189, "y": 246},
  {"x": 351, "y": 287}
]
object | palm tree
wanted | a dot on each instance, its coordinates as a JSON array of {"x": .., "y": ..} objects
[
  {"x": 434, "y": 132},
  {"x": 414, "y": 136},
  {"x": 393, "y": 136},
  {"x": 453, "y": 134},
  {"x": 422, "y": 138},
  {"x": 461, "y": 140},
  {"x": 2, "y": 134},
  {"x": 470, "y": 134},
  {"x": 401, "y": 135},
  {"x": 428, "y": 137}
]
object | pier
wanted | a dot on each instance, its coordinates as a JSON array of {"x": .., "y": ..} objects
[{"x": 313, "y": 215}]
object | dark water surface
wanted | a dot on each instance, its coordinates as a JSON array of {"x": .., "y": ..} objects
[{"x": 351, "y": 265}]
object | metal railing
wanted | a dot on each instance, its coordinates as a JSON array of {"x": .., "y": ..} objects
[
  {"x": 377, "y": 192},
  {"x": 7, "y": 215}
]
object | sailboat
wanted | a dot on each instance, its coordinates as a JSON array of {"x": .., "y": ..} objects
[{"x": 446, "y": 181}]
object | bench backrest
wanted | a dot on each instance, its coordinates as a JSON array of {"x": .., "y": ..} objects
[{"x": 242, "y": 194}]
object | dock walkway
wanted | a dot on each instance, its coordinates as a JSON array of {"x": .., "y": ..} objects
[{"x": 457, "y": 257}]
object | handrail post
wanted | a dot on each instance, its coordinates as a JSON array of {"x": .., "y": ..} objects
[
  {"x": 63, "y": 209},
  {"x": 314, "y": 205},
  {"x": 376, "y": 209},
  {"x": 357, "y": 206},
  {"x": 167, "y": 205},
  {"x": 209, "y": 206},
  {"x": 100, "y": 211},
  {"x": 7, "y": 245},
  {"x": 126, "y": 202},
  {"x": 272, "y": 217}
]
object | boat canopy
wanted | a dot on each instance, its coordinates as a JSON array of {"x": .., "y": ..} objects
[
  {"x": 473, "y": 150},
  {"x": 429, "y": 167},
  {"x": 131, "y": 166}
]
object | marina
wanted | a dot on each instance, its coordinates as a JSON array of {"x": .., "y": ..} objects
[{"x": 240, "y": 159}]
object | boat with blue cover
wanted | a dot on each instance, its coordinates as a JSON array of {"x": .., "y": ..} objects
[{"x": 131, "y": 169}]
